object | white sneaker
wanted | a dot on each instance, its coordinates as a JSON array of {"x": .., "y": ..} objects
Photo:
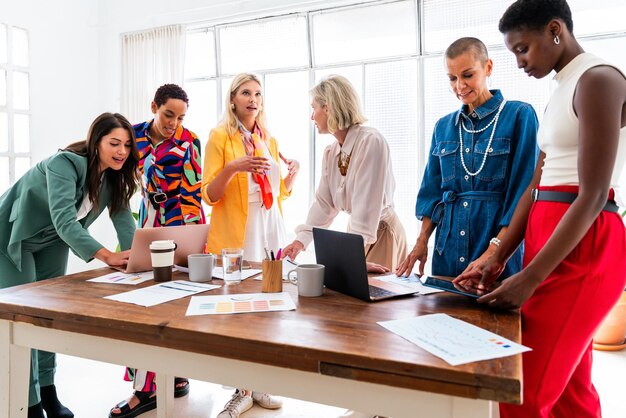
[
  {"x": 356, "y": 414},
  {"x": 266, "y": 400},
  {"x": 237, "y": 405}
]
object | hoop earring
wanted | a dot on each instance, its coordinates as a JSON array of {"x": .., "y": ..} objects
[
  {"x": 556, "y": 40},
  {"x": 488, "y": 81},
  {"x": 451, "y": 91}
]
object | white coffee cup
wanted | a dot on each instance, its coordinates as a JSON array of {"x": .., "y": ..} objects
[
  {"x": 309, "y": 278},
  {"x": 200, "y": 267},
  {"x": 162, "y": 256}
]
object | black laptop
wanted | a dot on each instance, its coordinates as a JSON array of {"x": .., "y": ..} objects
[{"x": 343, "y": 256}]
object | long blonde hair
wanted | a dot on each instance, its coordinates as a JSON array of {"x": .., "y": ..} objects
[
  {"x": 344, "y": 108},
  {"x": 229, "y": 119}
]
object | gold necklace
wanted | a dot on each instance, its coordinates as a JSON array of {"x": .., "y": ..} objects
[{"x": 343, "y": 162}]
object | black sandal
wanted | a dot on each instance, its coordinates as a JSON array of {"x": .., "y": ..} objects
[
  {"x": 179, "y": 392},
  {"x": 147, "y": 402}
]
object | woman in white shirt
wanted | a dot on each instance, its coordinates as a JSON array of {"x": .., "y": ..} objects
[{"x": 356, "y": 178}]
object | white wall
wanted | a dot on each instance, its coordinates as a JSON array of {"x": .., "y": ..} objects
[{"x": 65, "y": 67}]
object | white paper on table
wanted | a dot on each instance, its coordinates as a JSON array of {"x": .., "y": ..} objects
[
  {"x": 240, "y": 303},
  {"x": 218, "y": 273},
  {"x": 124, "y": 278},
  {"x": 453, "y": 340},
  {"x": 412, "y": 281},
  {"x": 162, "y": 292}
]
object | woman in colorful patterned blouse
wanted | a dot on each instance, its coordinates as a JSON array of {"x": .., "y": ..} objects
[
  {"x": 171, "y": 176},
  {"x": 169, "y": 163}
]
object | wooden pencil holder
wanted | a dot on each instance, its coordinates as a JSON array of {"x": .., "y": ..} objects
[{"x": 272, "y": 281}]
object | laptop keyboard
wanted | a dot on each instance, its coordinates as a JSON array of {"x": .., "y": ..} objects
[{"x": 377, "y": 292}]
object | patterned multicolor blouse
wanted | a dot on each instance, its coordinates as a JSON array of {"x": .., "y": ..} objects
[{"x": 171, "y": 167}]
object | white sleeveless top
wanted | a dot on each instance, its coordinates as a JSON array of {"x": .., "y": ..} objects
[{"x": 558, "y": 132}]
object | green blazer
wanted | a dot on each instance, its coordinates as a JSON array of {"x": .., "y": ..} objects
[{"x": 46, "y": 200}]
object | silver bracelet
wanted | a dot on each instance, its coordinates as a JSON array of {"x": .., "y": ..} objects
[{"x": 495, "y": 241}]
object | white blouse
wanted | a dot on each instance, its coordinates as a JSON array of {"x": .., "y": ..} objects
[{"x": 366, "y": 192}]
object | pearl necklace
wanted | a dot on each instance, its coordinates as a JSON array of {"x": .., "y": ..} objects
[{"x": 493, "y": 122}]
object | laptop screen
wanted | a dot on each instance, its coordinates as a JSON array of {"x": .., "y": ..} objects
[{"x": 343, "y": 255}]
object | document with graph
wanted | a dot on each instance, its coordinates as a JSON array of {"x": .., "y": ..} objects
[{"x": 455, "y": 341}]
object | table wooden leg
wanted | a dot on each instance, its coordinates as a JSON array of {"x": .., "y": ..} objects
[
  {"x": 5, "y": 344},
  {"x": 472, "y": 408},
  {"x": 14, "y": 375},
  {"x": 165, "y": 395}
]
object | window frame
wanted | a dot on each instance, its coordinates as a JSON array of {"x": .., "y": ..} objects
[{"x": 9, "y": 109}]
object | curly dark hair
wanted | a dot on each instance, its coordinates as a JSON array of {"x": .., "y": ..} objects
[
  {"x": 170, "y": 91},
  {"x": 535, "y": 15},
  {"x": 124, "y": 182}
]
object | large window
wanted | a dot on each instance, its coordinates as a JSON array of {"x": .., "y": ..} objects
[
  {"x": 14, "y": 105},
  {"x": 392, "y": 51}
]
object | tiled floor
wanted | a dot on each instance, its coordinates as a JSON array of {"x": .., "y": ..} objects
[{"x": 91, "y": 388}]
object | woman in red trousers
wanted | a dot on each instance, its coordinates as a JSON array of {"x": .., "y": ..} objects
[{"x": 574, "y": 239}]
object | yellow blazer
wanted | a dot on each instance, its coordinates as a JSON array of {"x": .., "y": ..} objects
[{"x": 230, "y": 213}]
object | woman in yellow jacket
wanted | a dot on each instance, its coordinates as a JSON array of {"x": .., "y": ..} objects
[
  {"x": 242, "y": 182},
  {"x": 242, "y": 178}
]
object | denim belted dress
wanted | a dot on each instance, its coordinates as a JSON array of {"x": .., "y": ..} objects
[{"x": 470, "y": 210}]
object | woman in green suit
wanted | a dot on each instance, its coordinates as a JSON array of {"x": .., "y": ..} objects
[{"x": 47, "y": 212}]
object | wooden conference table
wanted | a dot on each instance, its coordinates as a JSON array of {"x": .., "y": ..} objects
[{"x": 330, "y": 350}]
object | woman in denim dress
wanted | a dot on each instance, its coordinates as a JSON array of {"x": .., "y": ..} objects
[{"x": 481, "y": 160}]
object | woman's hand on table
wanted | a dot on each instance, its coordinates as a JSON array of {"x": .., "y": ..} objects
[
  {"x": 418, "y": 253},
  {"x": 512, "y": 292},
  {"x": 118, "y": 260},
  {"x": 376, "y": 268}
]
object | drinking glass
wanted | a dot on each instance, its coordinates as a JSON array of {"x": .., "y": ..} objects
[{"x": 232, "y": 261}]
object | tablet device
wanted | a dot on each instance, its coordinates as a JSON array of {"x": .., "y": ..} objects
[{"x": 448, "y": 286}]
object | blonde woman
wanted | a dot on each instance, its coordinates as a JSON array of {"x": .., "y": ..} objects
[
  {"x": 242, "y": 181},
  {"x": 356, "y": 178}
]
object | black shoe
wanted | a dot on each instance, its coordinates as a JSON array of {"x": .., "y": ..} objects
[
  {"x": 36, "y": 411},
  {"x": 183, "y": 390},
  {"x": 52, "y": 406},
  {"x": 147, "y": 402}
]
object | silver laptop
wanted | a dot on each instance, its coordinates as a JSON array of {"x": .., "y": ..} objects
[
  {"x": 343, "y": 256},
  {"x": 190, "y": 239}
]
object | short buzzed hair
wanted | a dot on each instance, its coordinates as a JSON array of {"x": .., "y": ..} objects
[{"x": 468, "y": 44}]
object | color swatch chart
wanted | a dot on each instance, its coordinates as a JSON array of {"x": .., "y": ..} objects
[
  {"x": 240, "y": 303},
  {"x": 453, "y": 340}
]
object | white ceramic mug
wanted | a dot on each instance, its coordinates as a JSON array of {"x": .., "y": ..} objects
[
  {"x": 309, "y": 278},
  {"x": 200, "y": 267}
]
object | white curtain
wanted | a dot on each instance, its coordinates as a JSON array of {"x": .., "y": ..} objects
[{"x": 149, "y": 60}]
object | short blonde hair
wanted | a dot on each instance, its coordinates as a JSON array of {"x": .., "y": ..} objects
[
  {"x": 344, "y": 108},
  {"x": 229, "y": 119}
]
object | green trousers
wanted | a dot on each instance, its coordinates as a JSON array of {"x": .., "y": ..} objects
[{"x": 43, "y": 256}]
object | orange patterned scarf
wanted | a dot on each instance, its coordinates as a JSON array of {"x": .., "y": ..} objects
[{"x": 252, "y": 144}]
